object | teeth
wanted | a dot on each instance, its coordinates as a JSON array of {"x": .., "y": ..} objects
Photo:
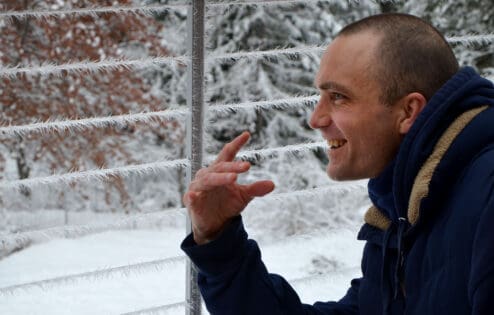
[{"x": 334, "y": 144}]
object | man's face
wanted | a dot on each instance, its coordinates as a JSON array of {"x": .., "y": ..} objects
[{"x": 362, "y": 132}]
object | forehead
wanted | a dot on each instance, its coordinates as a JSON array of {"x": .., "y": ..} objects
[{"x": 348, "y": 59}]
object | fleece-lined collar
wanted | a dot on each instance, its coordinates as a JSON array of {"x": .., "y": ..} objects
[
  {"x": 400, "y": 189},
  {"x": 464, "y": 91},
  {"x": 420, "y": 188}
]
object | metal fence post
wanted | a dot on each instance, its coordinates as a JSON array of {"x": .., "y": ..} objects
[{"x": 195, "y": 101}]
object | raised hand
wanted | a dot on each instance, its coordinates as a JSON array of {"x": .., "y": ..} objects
[{"x": 214, "y": 196}]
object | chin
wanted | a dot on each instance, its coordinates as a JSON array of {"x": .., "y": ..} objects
[
  {"x": 337, "y": 176},
  {"x": 343, "y": 176}
]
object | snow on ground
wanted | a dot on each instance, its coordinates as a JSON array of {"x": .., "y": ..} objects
[{"x": 320, "y": 267}]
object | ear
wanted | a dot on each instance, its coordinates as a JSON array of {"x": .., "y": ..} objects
[{"x": 411, "y": 105}]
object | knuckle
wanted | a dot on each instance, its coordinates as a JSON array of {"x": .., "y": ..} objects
[
  {"x": 228, "y": 147},
  {"x": 207, "y": 179},
  {"x": 220, "y": 166},
  {"x": 200, "y": 173},
  {"x": 215, "y": 166},
  {"x": 223, "y": 165},
  {"x": 193, "y": 185}
]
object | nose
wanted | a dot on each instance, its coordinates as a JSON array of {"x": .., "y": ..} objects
[{"x": 320, "y": 116}]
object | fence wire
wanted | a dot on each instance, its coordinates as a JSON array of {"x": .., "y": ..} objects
[
  {"x": 115, "y": 64},
  {"x": 148, "y": 266}
]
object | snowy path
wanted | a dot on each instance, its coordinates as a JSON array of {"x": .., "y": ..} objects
[{"x": 302, "y": 260}]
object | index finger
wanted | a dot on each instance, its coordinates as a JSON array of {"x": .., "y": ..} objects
[{"x": 231, "y": 149}]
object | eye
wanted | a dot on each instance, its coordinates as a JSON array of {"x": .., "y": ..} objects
[{"x": 335, "y": 96}]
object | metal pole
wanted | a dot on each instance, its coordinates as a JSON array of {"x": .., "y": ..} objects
[{"x": 195, "y": 101}]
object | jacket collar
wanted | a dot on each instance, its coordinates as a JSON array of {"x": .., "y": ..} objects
[
  {"x": 464, "y": 91},
  {"x": 377, "y": 216},
  {"x": 398, "y": 191},
  {"x": 381, "y": 192}
]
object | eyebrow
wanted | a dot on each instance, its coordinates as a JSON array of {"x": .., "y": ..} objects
[{"x": 329, "y": 85}]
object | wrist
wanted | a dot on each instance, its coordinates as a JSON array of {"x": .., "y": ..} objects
[
  {"x": 204, "y": 237},
  {"x": 201, "y": 239}
]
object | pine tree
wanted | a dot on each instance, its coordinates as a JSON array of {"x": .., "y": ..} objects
[{"x": 464, "y": 17}]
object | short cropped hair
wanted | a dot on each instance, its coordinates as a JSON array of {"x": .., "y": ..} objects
[{"x": 412, "y": 55}]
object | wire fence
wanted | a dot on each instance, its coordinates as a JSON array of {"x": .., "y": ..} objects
[
  {"x": 113, "y": 64},
  {"x": 195, "y": 60},
  {"x": 161, "y": 264}
]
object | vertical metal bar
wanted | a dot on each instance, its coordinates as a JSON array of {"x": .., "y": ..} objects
[{"x": 195, "y": 101}]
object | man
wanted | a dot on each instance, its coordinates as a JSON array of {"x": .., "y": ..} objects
[{"x": 395, "y": 108}]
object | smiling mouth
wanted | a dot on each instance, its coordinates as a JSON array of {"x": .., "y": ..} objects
[{"x": 336, "y": 143}]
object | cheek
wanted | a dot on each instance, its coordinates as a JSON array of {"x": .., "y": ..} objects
[
  {"x": 377, "y": 142},
  {"x": 382, "y": 146}
]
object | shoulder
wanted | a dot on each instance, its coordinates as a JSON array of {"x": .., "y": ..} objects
[
  {"x": 481, "y": 168},
  {"x": 473, "y": 192},
  {"x": 482, "y": 260}
]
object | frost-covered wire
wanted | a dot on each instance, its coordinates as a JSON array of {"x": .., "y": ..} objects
[
  {"x": 296, "y": 281},
  {"x": 329, "y": 276},
  {"x": 141, "y": 9},
  {"x": 90, "y": 66},
  {"x": 471, "y": 39},
  {"x": 326, "y": 192},
  {"x": 118, "y": 64},
  {"x": 155, "y": 265},
  {"x": 97, "y": 174},
  {"x": 113, "y": 64},
  {"x": 229, "y": 4},
  {"x": 318, "y": 191},
  {"x": 319, "y": 49},
  {"x": 79, "y": 125},
  {"x": 294, "y": 102},
  {"x": 142, "y": 169},
  {"x": 326, "y": 276},
  {"x": 12, "y": 241},
  {"x": 157, "y": 309},
  {"x": 158, "y": 264},
  {"x": 272, "y": 53},
  {"x": 19, "y": 240},
  {"x": 93, "y": 11},
  {"x": 269, "y": 152}
]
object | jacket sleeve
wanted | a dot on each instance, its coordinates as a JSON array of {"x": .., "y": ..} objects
[{"x": 233, "y": 280}]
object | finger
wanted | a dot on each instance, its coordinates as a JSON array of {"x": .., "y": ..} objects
[
  {"x": 224, "y": 167},
  {"x": 212, "y": 180},
  {"x": 188, "y": 198},
  {"x": 231, "y": 149},
  {"x": 202, "y": 172},
  {"x": 258, "y": 189},
  {"x": 231, "y": 167}
]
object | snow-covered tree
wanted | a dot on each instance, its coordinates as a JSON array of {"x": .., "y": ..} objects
[
  {"x": 456, "y": 18},
  {"x": 29, "y": 98},
  {"x": 230, "y": 28}
]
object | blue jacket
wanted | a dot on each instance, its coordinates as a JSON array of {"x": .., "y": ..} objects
[{"x": 429, "y": 234}]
